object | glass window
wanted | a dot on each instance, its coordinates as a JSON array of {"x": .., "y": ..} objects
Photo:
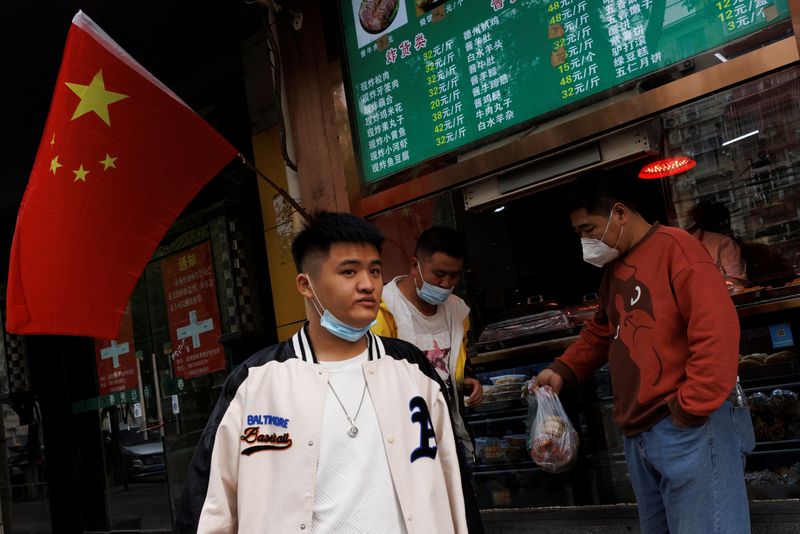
[
  {"x": 25, "y": 489},
  {"x": 742, "y": 198}
]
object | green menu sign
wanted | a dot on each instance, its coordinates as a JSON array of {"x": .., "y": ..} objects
[{"x": 430, "y": 76}]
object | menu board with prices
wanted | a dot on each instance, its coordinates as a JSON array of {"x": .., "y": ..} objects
[{"x": 430, "y": 76}]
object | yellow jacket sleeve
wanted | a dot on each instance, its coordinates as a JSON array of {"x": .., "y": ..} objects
[{"x": 386, "y": 325}]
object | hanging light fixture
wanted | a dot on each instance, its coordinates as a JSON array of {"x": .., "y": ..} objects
[{"x": 667, "y": 167}]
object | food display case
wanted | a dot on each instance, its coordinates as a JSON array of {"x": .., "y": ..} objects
[
  {"x": 506, "y": 477},
  {"x": 769, "y": 370},
  {"x": 504, "y": 474}
]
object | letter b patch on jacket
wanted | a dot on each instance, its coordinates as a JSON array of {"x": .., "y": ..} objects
[{"x": 421, "y": 416}]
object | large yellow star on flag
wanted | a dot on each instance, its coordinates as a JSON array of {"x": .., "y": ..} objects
[
  {"x": 54, "y": 165},
  {"x": 80, "y": 174},
  {"x": 94, "y": 97}
]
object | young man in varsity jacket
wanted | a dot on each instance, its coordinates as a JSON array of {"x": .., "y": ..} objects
[
  {"x": 669, "y": 331},
  {"x": 336, "y": 430}
]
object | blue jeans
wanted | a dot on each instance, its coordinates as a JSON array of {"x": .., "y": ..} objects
[{"x": 691, "y": 480}]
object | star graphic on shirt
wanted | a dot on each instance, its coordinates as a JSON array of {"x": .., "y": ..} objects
[
  {"x": 438, "y": 356},
  {"x": 94, "y": 97}
]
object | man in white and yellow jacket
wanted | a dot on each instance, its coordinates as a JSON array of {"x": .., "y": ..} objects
[
  {"x": 421, "y": 309},
  {"x": 337, "y": 429}
]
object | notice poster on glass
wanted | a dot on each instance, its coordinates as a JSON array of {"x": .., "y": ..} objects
[
  {"x": 193, "y": 312},
  {"x": 116, "y": 359},
  {"x": 429, "y": 76}
]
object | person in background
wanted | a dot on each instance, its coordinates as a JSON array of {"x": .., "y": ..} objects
[
  {"x": 669, "y": 331},
  {"x": 712, "y": 227},
  {"x": 420, "y": 308},
  {"x": 336, "y": 430}
]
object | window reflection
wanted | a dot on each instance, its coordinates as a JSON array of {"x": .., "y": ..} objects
[
  {"x": 26, "y": 488},
  {"x": 745, "y": 184}
]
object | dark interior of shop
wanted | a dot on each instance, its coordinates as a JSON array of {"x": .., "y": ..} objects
[{"x": 527, "y": 254}]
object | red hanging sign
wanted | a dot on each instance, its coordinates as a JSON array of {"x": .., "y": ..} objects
[
  {"x": 116, "y": 359},
  {"x": 193, "y": 313}
]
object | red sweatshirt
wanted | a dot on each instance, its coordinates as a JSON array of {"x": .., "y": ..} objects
[{"x": 668, "y": 329}]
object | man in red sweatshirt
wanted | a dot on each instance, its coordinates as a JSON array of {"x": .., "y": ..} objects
[{"x": 669, "y": 331}]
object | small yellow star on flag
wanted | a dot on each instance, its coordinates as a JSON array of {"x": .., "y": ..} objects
[
  {"x": 54, "y": 165},
  {"x": 80, "y": 174},
  {"x": 108, "y": 162},
  {"x": 53, "y": 141},
  {"x": 94, "y": 97}
]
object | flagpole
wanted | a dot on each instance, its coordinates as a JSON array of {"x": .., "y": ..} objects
[{"x": 278, "y": 188}]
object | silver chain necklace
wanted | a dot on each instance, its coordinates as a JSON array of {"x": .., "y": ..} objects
[{"x": 353, "y": 430}]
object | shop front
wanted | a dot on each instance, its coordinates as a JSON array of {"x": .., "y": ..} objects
[{"x": 468, "y": 127}]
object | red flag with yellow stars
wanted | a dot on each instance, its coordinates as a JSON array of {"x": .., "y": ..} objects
[{"x": 120, "y": 158}]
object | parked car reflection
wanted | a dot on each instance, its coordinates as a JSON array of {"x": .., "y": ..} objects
[{"x": 143, "y": 457}]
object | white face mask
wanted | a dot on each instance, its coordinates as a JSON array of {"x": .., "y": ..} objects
[{"x": 598, "y": 253}]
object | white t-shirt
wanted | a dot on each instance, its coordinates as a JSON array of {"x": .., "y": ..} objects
[
  {"x": 354, "y": 491},
  {"x": 433, "y": 337}
]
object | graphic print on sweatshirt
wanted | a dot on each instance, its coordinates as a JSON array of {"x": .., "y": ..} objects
[{"x": 631, "y": 350}]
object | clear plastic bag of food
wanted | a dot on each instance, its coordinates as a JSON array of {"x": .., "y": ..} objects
[{"x": 552, "y": 440}]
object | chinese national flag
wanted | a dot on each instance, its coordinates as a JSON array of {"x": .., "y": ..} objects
[{"x": 120, "y": 158}]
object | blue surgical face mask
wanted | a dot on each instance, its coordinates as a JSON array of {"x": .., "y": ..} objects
[
  {"x": 430, "y": 293},
  {"x": 335, "y": 326}
]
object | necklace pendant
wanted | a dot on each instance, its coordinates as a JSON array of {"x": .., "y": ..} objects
[{"x": 353, "y": 431}]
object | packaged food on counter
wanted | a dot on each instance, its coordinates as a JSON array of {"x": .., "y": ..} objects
[
  {"x": 505, "y": 392},
  {"x": 763, "y": 365},
  {"x": 516, "y": 387},
  {"x": 553, "y": 440},
  {"x": 778, "y": 483},
  {"x": 583, "y": 313},
  {"x": 784, "y": 402},
  {"x": 757, "y": 293},
  {"x": 489, "y": 390},
  {"x": 775, "y": 416},
  {"x": 490, "y": 449},
  {"x": 516, "y": 440},
  {"x": 513, "y": 453},
  {"x": 502, "y": 380},
  {"x": 514, "y": 447},
  {"x": 505, "y": 387},
  {"x": 526, "y": 321}
]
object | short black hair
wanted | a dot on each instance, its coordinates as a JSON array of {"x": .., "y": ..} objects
[
  {"x": 597, "y": 195},
  {"x": 327, "y": 228},
  {"x": 441, "y": 239}
]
